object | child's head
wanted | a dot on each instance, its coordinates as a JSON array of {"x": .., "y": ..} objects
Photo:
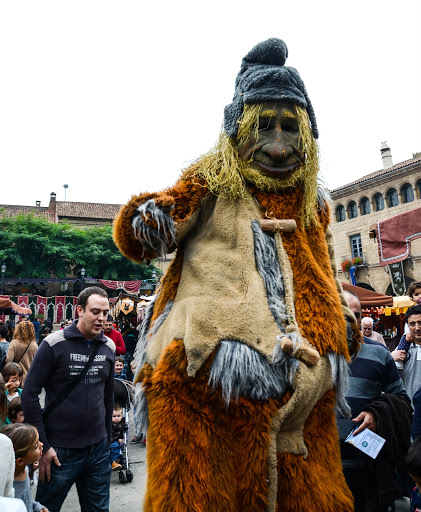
[
  {"x": 15, "y": 410},
  {"x": 414, "y": 291},
  {"x": 3, "y": 331},
  {"x": 133, "y": 366},
  {"x": 119, "y": 365},
  {"x": 413, "y": 461},
  {"x": 26, "y": 444},
  {"x": 12, "y": 375},
  {"x": 3, "y": 402},
  {"x": 117, "y": 414}
]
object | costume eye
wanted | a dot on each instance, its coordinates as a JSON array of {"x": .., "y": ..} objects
[
  {"x": 264, "y": 123},
  {"x": 289, "y": 127}
]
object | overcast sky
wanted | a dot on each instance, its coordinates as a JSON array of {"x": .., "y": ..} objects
[{"x": 114, "y": 98}]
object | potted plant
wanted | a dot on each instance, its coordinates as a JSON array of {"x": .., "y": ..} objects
[
  {"x": 346, "y": 265},
  {"x": 357, "y": 261}
]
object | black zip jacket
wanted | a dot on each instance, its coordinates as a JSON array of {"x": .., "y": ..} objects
[{"x": 84, "y": 417}]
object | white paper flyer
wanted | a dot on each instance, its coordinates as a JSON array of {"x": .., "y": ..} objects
[{"x": 366, "y": 441}]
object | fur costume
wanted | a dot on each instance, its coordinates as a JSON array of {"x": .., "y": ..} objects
[{"x": 243, "y": 354}]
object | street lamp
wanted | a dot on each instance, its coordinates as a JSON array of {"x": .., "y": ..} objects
[
  {"x": 3, "y": 271},
  {"x": 82, "y": 273}
]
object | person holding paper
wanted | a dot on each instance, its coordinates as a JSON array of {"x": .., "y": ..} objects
[{"x": 375, "y": 394}]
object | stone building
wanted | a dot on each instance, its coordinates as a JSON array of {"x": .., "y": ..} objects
[{"x": 357, "y": 207}]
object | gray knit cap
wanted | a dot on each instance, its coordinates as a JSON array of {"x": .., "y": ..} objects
[{"x": 264, "y": 77}]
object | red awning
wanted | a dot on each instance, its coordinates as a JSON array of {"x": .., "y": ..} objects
[
  {"x": 369, "y": 298},
  {"x": 7, "y": 307}
]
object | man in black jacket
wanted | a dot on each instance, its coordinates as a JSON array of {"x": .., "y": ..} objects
[{"x": 77, "y": 431}]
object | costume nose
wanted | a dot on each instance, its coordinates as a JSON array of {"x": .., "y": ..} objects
[{"x": 277, "y": 148}]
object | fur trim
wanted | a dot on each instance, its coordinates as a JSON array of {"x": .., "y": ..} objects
[
  {"x": 323, "y": 196},
  {"x": 140, "y": 403},
  {"x": 146, "y": 334},
  {"x": 267, "y": 264},
  {"x": 241, "y": 371},
  {"x": 340, "y": 381},
  {"x": 154, "y": 228}
]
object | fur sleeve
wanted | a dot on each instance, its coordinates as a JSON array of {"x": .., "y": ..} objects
[
  {"x": 354, "y": 336},
  {"x": 146, "y": 227}
]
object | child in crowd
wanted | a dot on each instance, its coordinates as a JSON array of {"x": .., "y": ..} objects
[
  {"x": 4, "y": 420},
  {"x": 118, "y": 426},
  {"x": 414, "y": 293},
  {"x": 118, "y": 368},
  {"x": 12, "y": 375},
  {"x": 15, "y": 410},
  {"x": 4, "y": 345},
  {"x": 413, "y": 466},
  {"x": 28, "y": 449}
]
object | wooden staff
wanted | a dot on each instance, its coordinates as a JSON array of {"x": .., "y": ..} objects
[{"x": 278, "y": 225}]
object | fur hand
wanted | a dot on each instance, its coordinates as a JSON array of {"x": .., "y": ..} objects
[
  {"x": 45, "y": 464},
  {"x": 154, "y": 227}
]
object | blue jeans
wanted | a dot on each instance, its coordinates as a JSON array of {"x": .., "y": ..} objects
[
  {"x": 115, "y": 451},
  {"x": 89, "y": 468}
]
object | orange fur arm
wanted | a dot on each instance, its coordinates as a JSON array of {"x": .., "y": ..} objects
[{"x": 179, "y": 202}]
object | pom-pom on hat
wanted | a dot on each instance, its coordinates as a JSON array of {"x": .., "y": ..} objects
[{"x": 264, "y": 77}]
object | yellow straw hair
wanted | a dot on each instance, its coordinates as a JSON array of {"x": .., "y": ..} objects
[{"x": 227, "y": 175}]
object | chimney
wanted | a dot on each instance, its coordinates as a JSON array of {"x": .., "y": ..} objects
[
  {"x": 37, "y": 203},
  {"x": 52, "y": 209},
  {"x": 386, "y": 155}
]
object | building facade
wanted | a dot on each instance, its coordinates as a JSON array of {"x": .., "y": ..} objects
[{"x": 358, "y": 206}]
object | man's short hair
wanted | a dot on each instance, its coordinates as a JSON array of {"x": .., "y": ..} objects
[
  {"x": 413, "y": 310},
  {"x": 110, "y": 318},
  {"x": 367, "y": 320},
  {"x": 413, "y": 458},
  {"x": 119, "y": 359},
  {"x": 82, "y": 298},
  {"x": 3, "y": 331},
  {"x": 412, "y": 287}
]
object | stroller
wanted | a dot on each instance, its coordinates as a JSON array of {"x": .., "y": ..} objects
[{"x": 123, "y": 397}]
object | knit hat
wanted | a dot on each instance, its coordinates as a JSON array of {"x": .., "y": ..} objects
[{"x": 264, "y": 77}]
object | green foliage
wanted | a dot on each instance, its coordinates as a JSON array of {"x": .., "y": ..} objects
[{"x": 30, "y": 246}]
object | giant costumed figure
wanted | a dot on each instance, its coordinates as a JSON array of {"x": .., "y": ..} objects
[{"x": 242, "y": 356}]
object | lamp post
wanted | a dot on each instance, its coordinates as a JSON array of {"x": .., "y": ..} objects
[
  {"x": 82, "y": 273},
  {"x": 3, "y": 271}
]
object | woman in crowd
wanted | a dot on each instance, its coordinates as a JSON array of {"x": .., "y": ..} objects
[{"x": 23, "y": 346}]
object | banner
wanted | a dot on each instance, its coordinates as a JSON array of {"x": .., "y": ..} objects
[
  {"x": 127, "y": 286},
  {"x": 352, "y": 276},
  {"x": 397, "y": 278}
]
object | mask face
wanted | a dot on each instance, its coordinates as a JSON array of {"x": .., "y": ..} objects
[{"x": 275, "y": 150}]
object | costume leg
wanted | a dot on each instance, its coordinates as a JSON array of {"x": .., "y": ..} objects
[
  {"x": 53, "y": 493},
  {"x": 315, "y": 483},
  {"x": 203, "y": 456},
  {"x": 93, "y": 486}
]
